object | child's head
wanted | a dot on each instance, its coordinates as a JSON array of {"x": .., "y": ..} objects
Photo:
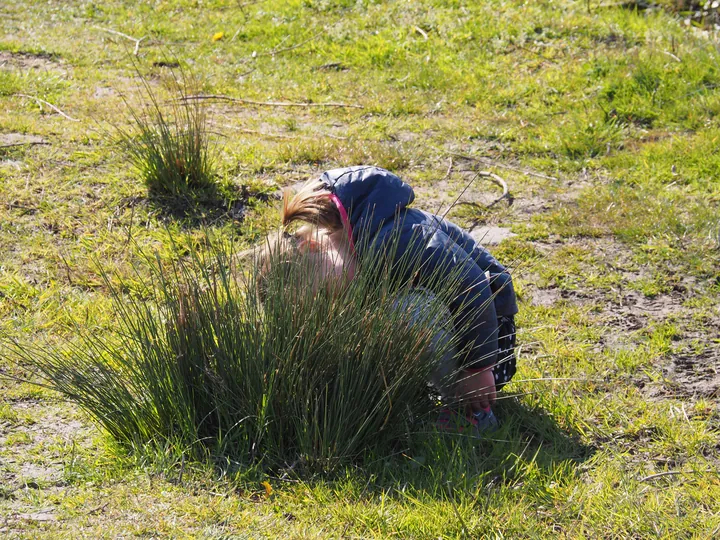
[
  {"x": 309, "y": 248},
  {"x": 312, "y": 205},
  {"x": 310, "y": 244}
]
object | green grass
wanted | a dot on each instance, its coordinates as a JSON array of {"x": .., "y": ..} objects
[
  {"x": 200, "y": 366},
  {"x": 617, "y": 259},
  {"x": 169, "y": 144}
]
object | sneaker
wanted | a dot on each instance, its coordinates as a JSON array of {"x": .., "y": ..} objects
[
  {"x": 452, "y": 421},
  {"x": 486, "y": 420}
]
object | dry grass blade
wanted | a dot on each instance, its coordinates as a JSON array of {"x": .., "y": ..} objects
[
  {"x": 219, "y": 97},
  {"x": 277, "y": 51},
  {"x": 53, "y": 107}
]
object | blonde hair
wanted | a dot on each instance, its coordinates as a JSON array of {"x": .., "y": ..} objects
[
  {"x": 312, "y": 205},
  {"x": 279, "y": 254}
]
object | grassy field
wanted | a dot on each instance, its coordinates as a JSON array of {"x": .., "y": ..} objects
[{"x": 604, "y": 122}]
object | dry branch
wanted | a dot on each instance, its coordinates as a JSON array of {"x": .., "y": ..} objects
[
  {"x": 449, "y": 171},
  {"x": 42, "y": 102},
  {"x": 675, "y": 473},
  {"x": 256, "y": 132},
  {"x": 493, "y": 163},
  {"x": 497, "y": 180},
  {"x": 220, "y": 97},
  {"x": 97, "y": 509},
  {"x": 136, "y": 40},
  {"x": 422, "y": 32},
  {"x": 276, "y": 51},
  {"x": 26, "y": 143}
]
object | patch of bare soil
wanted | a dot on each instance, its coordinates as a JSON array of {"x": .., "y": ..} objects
[
  {"x": 695, "y": 375},
  {"x": 686, "y": 374},
  {"x": 546, "y": 297},
  {"x": 47, "y": 426},
  {"x": 530, "y": 192},
  {"x": 8, "y": 140},
  {"x": 26, "y": 61}
]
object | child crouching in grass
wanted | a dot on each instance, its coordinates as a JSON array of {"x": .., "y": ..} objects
[{"x": 364, "y": 208}]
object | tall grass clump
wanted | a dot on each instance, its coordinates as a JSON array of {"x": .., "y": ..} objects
[
  {"x": 317, "y": 375},
  {"x": 168, "y": 142}
]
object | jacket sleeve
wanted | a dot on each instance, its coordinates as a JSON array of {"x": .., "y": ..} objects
[
  {"x": 472, "y": 305},
  {"x": 500, "y": 279}
]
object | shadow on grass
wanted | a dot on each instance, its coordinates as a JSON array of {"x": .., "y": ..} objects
[
  {"x": 199, "y": 208},
  {"x": 527, "y": 453}
]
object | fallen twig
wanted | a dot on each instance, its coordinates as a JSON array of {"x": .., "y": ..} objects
[
  {"x": 336, "y": 66},
  {"x": 252, "y": 3},
  {"x": 422, "y": 32},
  {"x": 281, "y": 135},
  {"x": 275, "y": 52},
  {"x": 497, "y": 180},
  {"x": 539, "y": 55},
  {"x": 449, "y": 171},
  {"x": 26, "y": 143},
  {"x": 220, "y": 97},
  {"x": 136, "y": 40},
  {"x": 256, "y": 132},
  {"x": 97, "y": 509},
  {"x": 675, "y": 473},
  {"x": 24, "y": 208},
  {"x": 493, "y": 163},
  {"x": 53, "y": 107},
  {"x": 671, "y": 55}
]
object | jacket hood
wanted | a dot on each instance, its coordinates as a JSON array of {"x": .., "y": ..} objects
[{"x": 371, "y": 196}]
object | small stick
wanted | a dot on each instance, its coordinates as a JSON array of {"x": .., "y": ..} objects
[
  {"x": 671, "y": 55},
  {"x": 137, "y": 45},
  {"x": 278, "y": 135},
  {"x": 97, "y": 509},
  {"x": 497, "y": 180},
  {"x": 27, "y": 209},
  {"x": 242, "y": 7},
  {"x": 27, "y": 143},
  {"x": 286, "y": 49},
  {"x": 536, "y": 54},
  {"x": 420, "y": 31},
  {"x": 449, "y": 171},
  {"x": 136, "y": 40},
  {"x": 674, "y": 473},
  {"x": 67, "y": 268},
  {"x": 494, "y": 163},
  {"x": 220, "y": 97},
  {"x": 252, "y": 3},
  {"x": 237, "y": 32},
  {"x": 53, "y": 107},
  {"x": 256, "y": 132}
]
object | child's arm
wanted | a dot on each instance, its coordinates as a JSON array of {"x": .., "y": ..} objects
[
  {"x": 472, "y": 306},
  {"x": 500, "y": 279}
]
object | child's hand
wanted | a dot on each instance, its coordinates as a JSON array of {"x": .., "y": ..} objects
[{"x": 477, "y": 388}]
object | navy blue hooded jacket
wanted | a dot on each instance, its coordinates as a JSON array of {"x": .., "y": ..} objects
[{"x": 377, "y": 204}]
